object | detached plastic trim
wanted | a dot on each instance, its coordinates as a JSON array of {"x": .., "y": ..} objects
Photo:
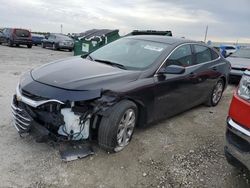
[{"x": 33, "y": 103}]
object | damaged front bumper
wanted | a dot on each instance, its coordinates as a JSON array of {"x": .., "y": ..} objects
[{"x": 24, "y": 112}]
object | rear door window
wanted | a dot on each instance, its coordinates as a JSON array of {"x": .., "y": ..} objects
[
  {"x": 182, "y": 56},
  {"x": 22, "y": 33},
  {"x": 202, "y": 54}
]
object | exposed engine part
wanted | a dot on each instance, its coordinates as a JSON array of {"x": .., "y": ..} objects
[
  {"x": 76, "y": 127},
  {"x": 55, "y": 119}
]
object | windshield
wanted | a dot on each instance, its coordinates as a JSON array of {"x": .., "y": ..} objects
[
  {"x": 63, "y": 37},
  {"x": 243, "y": 53},
  {"x": 130, "y": 53}
]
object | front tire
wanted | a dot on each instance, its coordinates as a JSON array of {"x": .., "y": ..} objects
[
  {"x": 216, "y": 94},
  {"x": 29, "y": 45},
  {"x": 54, "y": 47},
  {"x": 116, "y": 130}
]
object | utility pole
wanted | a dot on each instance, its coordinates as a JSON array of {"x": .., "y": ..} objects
[
  {"x": 61, "y": 28},
  {"x": 205, "y": 39}
]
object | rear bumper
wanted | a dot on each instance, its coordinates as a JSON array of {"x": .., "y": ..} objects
[
  {"x": 66, "y": 47},
  {"x": 22, "y": 42},
  {"x": 36, "y": 42},
  {"x": 238, "y": 142},
  {"x": 235, "y": 72},
  {"x": 235, "y": 75}
]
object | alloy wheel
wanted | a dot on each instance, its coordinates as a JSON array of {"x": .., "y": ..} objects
[
  {"x": 125, "y": 129},
  {"x": 217, "y": 93}
]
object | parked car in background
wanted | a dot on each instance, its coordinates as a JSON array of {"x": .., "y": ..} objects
[
  {"x": 15, "y": 36},
  {"x": 37, "y": 39},
  {"x": 240, "y": 61},
  {"x": 1, "y": 37},
  {"x": 57, "y": 42},
  {"x": 130, "y": 82},
  {"x": 237, "y": 149},
  {"x": 229, "y": 49}
]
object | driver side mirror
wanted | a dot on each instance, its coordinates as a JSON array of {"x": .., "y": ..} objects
[{"x": 172, "y": 69}]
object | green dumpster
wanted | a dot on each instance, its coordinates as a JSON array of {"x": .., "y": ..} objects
[{"x": 91, "y": 40}]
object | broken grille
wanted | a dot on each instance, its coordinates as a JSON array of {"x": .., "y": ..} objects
[{"x": 21, "y": 119}]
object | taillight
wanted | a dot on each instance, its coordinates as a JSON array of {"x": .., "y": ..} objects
[{"x": 244, "y": 87}]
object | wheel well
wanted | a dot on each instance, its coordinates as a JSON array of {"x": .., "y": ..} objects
[
  {"x": 142, "y": 115},
  {"x": 224, "y": 82}
]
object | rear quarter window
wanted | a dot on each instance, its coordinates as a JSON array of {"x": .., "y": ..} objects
[{"x": 214, "y": 54}]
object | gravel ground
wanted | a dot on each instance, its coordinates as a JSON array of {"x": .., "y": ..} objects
[{"x": 183, "y": 151}]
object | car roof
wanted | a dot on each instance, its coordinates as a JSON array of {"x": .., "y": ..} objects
[
  {"x": 59, "y": 34},
  {"x": 37, "y": 35},
  {"x": 162, "y": 39},
  {"x": 16, "y": 28}
]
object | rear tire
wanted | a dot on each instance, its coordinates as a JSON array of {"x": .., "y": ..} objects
[
  {"x": 116, "y": 130},
  {"x": 10, "y": 43},
  {"x": 29, "y": 45},
  {"x": 216, "y": 93}
]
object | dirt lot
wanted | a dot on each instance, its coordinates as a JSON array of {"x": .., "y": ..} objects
[{"x": 184, "y": 151}]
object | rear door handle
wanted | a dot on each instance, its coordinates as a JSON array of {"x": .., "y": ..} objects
[
  {"x": 214, "y": 68},
  {"x": 192, "y": 75}
]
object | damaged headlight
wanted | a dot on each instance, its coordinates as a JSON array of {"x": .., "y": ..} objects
[{"x": 244, "y": 87}]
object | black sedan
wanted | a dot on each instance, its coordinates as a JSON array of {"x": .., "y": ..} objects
[
  {"x": 128, "y": 83},
  {"x": 57, "y": 42}
]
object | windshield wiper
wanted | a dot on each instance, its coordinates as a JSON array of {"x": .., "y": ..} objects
[{"x": 110, "y": 63}]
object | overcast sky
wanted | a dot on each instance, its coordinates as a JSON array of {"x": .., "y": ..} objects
[{"x": 228, "y": 20}]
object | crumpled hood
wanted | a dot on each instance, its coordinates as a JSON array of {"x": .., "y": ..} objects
[
  {"x": 76, "y": 73},
  {"x": 237, "y": 62}
]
